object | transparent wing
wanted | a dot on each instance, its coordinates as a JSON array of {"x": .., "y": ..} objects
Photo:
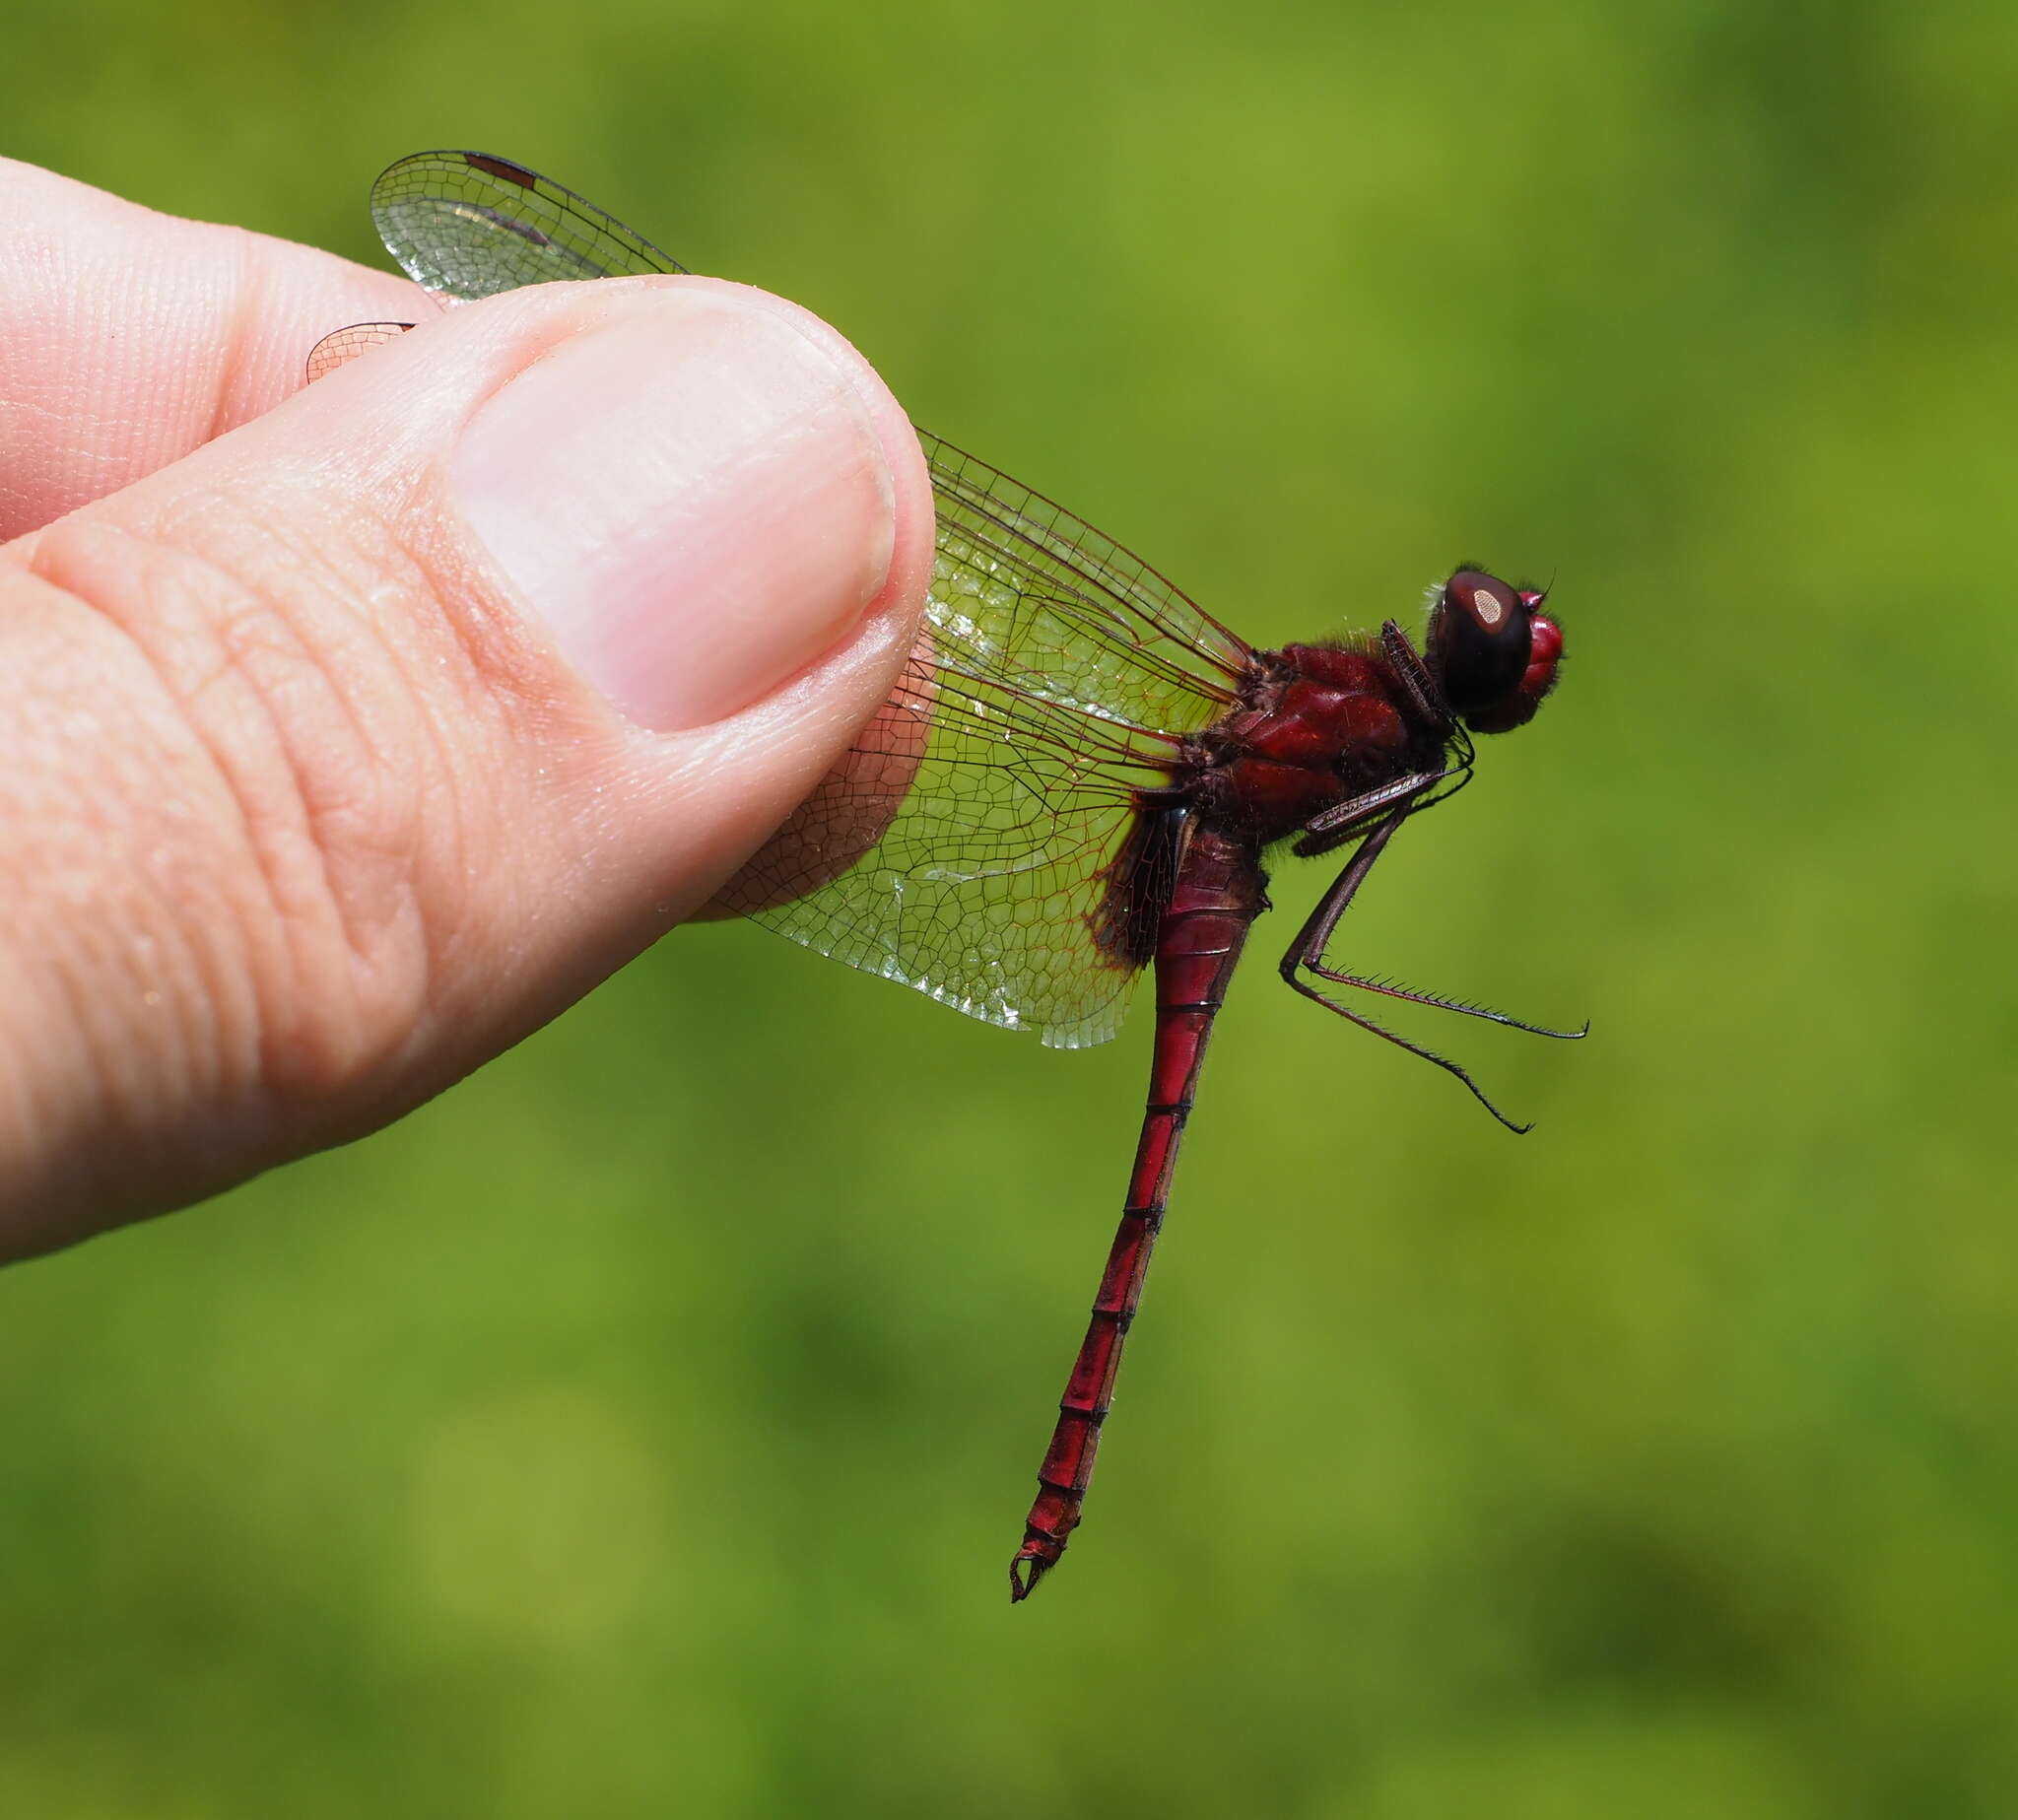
[
  {"x": 467, "y": 225},
  {"x": 1114, "y": 636},
  {"x": 346, "y": 344},
  {"x": 982, "y": 826},
  {"x": 981, "y": 841}
]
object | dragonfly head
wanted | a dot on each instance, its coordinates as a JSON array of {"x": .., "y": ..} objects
[{"x": 1492, "y": 650}]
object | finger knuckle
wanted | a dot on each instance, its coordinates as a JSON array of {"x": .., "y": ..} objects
[{"x": 335, "y": 803}]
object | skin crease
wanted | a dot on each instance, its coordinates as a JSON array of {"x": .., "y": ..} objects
[{"x": 303, "y": 813}]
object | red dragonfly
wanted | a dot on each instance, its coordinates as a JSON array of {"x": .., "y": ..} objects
[{"x": 1078, "y": 772}]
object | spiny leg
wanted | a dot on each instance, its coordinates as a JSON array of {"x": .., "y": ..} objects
[{"x": 1307, "y": 953}]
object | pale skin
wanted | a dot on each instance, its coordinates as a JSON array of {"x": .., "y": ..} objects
[{"x": 340, "y": 751}]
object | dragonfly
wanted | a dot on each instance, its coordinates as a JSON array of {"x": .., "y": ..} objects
[{"x": 1077, "y": 774}]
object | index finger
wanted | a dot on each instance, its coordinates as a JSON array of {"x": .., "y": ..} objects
[{"x": 129, "y": 338}]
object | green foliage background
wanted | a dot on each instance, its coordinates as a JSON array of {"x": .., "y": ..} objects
[{"x": 642, "y": 1429}]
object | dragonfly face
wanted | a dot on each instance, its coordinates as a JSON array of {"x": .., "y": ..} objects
[{"x": 1078, "y": 770}]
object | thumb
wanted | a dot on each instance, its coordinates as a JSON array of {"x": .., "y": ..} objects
[{"x": 342, "y": 752}]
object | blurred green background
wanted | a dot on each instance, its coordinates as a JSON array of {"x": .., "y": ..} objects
[{"x": 642, "y": 1429}]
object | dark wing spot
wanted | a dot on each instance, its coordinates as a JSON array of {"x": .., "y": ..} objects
[{"x": 502, "y": 167}]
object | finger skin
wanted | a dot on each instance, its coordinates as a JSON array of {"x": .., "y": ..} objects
[
  {"x": 129, "y": 338},
  {"x": 303, "y": 816}
]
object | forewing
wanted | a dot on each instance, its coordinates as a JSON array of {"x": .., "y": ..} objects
[
  {"x": 980, "y": 826},
  {"x": 468, "y": 224},
  {"x": 1097, "y": 628}
]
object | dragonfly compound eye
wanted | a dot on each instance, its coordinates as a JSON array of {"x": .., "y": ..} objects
[{"x": 1483, "y": 647}]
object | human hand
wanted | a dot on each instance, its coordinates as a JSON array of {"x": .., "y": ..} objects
[{"x": 348, "y": 734}]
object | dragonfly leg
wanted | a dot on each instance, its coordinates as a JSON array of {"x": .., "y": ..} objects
[
  {"x": 1438, "y": 1002},
  {"x": 1414, "y": 675},
  {"x": 1349, "y": 821},
  {"x": 1307, "y": 954}
]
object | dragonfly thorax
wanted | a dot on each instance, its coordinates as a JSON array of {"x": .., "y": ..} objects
[{"x": 1324, "y": 723}]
